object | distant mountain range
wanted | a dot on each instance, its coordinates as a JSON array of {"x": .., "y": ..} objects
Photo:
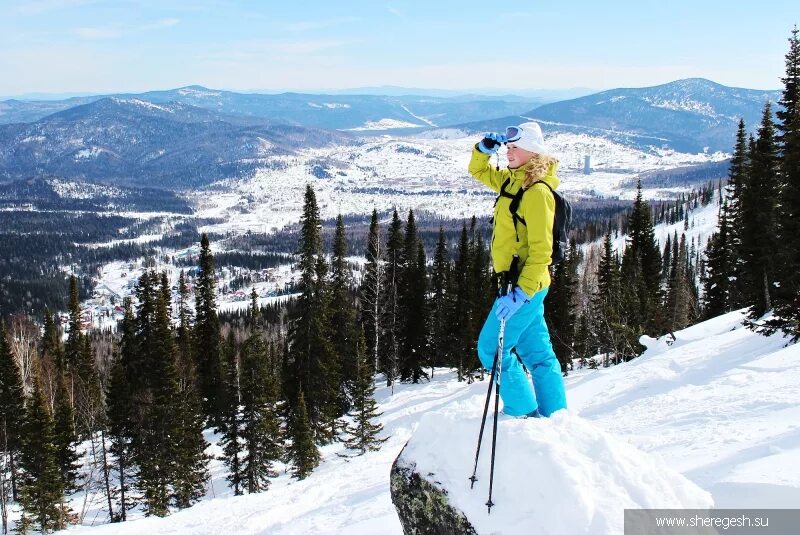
[
  {"x": 686, "y": 115},
  {"x": 194, "y": 136},
  {"x": 140, "y": 143},
  {"x": 342, "y": 112}
]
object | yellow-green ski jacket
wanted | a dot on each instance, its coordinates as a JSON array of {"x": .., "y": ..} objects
[{"x": 533, "y": 241}]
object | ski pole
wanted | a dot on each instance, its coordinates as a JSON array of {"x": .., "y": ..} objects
[
  {"x": 490, "y": 503},
  {"x": 473, "y": 479}
]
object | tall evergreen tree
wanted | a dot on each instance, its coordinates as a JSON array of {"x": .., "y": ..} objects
[
  {"x": 42, "y": 489},
  {"x": 12, "y": 408},
  {"x": 392, "y": 318},
  {"x": 363, "y": 433},
  {"x": 787, "y": 302},
  {"x": 737, "y": 180},
  {"x": 88, "y": 398},
  {"x": 261, "y": 428},
  {"x": 311, "y": 348},
  {"x": 303, "y": 451},
  {"x": 74, "y": 344},
  {"x": 65, "y": 438},
  {"x": 560, "y": 309},
  {"x": 208, "y": 342},
  {"x": 642, "y": 265},
  {"x": 412, "y": 305},
  {"x": 120, "y": 410},
  {"x": 51, "y": 342},
  {"x": 606, "y": 300},
  {"x": 231, "y": 439},
  {"x": 759, "y": 218},
  {"x": 186, "y": 364},
  {"x": 679, "y": 295},
  {"x": 461, "y": 314},
  {"x": 170, "y": 449},
  {"x": 717, "y": 283},
  {"x": 482, "y": 294},
  {"x": 441, "y": 342},
  {"x": 343, "y": 316}
]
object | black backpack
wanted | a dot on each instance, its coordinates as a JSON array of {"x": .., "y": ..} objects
[{"x": 561, "y": 223}]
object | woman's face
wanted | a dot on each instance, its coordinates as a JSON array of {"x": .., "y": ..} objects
[{"x": 518, "y": 157}]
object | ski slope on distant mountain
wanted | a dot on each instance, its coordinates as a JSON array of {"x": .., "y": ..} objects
[{"x": 719, "y": 405}]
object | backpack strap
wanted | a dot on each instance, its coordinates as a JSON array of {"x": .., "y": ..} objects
[{"x": 503, "y": 192}]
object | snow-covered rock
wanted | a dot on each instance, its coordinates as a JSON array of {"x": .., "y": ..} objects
[{"x": 561, "y": 474}]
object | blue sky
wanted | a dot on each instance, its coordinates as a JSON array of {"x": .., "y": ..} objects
[{"x": 136, "y": 45}]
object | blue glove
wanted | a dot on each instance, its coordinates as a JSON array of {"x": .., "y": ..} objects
[
  {"x": 491, "y": 142},
  {"x": 508, "y": 304}
]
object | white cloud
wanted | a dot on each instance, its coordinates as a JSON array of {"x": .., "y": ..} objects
[
  {"x": 36, "y": 7},
  {"x": 303, "y": 26},
  {"x": 113, "y": 32},
  {"x": 396, "y": 12}
]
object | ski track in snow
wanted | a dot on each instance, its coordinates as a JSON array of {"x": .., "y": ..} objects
[{"x": 719, "y": 405}]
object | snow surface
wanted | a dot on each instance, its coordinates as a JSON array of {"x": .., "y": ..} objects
[
  {"x": 718, "y": 405},
  {"x": 384, "y": 124},
  {"x": 552, "y": 475}
]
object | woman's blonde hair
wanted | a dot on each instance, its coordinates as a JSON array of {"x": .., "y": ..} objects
[{"x": 538, "y": 167}]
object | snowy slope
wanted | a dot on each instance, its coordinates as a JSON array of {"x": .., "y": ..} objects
[{"x": 719, "y": 405}]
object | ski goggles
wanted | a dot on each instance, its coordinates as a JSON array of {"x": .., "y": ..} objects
[{"x": 513, "y": 133}]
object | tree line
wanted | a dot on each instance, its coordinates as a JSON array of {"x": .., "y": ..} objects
[{"x": 754, "y": 257}]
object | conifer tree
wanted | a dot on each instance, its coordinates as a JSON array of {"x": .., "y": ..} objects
[
  {"x": 412, "y": 304},
  {"x": 607, "y": 299},
  {"x": 392, "y": 319},
  {"x": 560, "y": 309},
  {"x": 311, "y": 347},
  {"x": 261, "y": 428},
  {"x": 65, "y": 438},
  {"x": 642, "y": 265},
  {"x": 303, "y": 451},
  {"x": 169, "y": 453},
  {"x": 482, "y": 294},
  {"x": 190, "y": 471},
  {"x": 12, "y": 409},
  {"x": 363, "y": 433},
  {"x": 787, "y": 298},
  {"x": 717, "y": 286},
  {"x": 51, "y": 342},
  {"x": 186, "y": 364},
  {"x": 679, "y": 296},
  {"x": 461, "y": 314},
  {"x": 41, "y": 489},
  {"x": 371, "y": 293},
  {"x": 191, "y": 462},
  {"x": 231, "y": 439},
  {"x": 759, "y": 218},
  {"x": 74, "y": 344},
  {"x": 89, "y": 397},
  {"x": 120, "y": 410},
  {"x": 208, "y": 343},
  {"x": 441, "y": 342},
  {"x": 343, "y": 316},
  {"x": 737, "y": 180}
]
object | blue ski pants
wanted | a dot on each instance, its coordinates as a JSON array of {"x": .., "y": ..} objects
[{"x": 525, "y": 332}]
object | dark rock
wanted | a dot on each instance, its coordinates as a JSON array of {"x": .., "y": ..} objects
[{"x": 422, "y": 505}]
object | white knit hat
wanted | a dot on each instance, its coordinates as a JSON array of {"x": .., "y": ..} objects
[{"x": 529, "y": 137}]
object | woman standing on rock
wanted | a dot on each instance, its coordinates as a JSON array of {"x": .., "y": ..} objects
[{"x": 522, "y": 245}]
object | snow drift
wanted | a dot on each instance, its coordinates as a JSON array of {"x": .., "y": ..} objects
[{"x": 552, "y": 475}]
